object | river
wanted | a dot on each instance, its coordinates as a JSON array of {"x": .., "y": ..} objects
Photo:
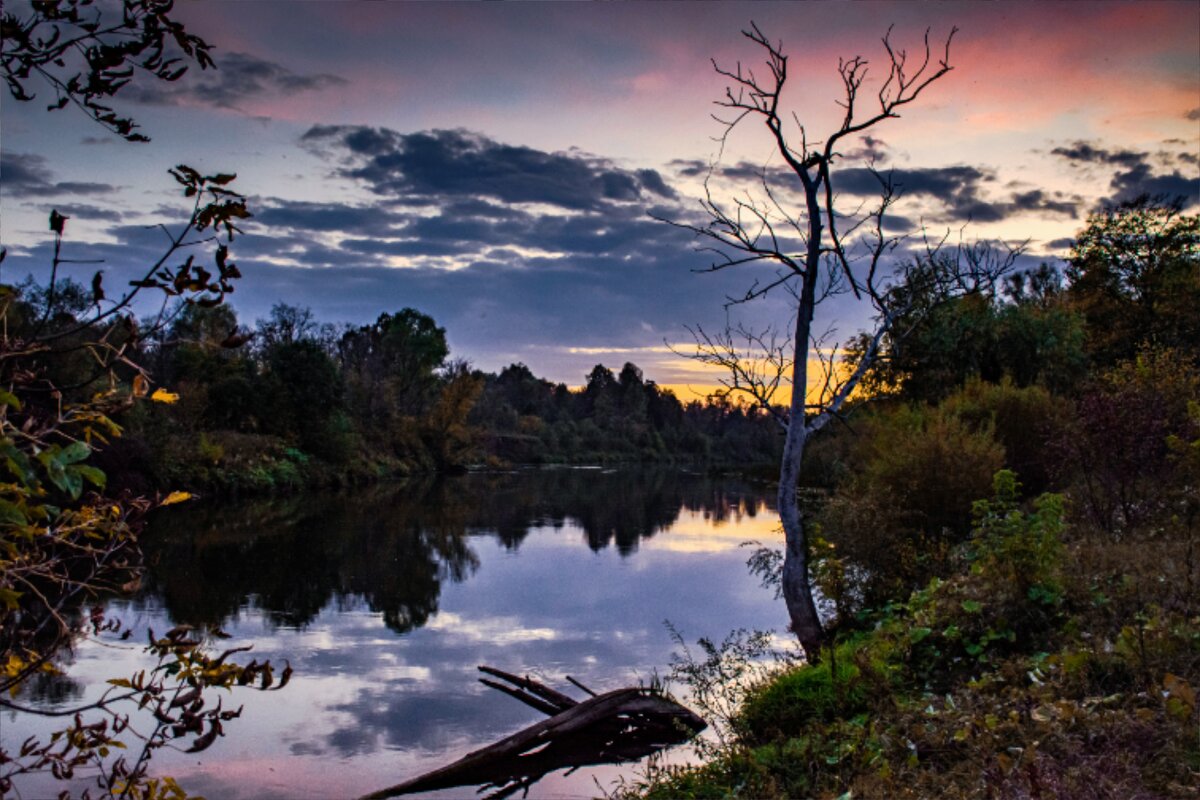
[{"x": 385, "y": 600}]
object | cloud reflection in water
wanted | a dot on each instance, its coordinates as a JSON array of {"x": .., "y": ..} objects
[{"x": 385, "y": 601}]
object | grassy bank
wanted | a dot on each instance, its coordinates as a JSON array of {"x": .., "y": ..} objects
[{"x": 1056, "y": 661}]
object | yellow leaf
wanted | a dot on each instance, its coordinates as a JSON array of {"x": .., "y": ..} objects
[
  {"x": 1179, "y": 688},
  {"x": 163, "y": 396},
  {"x": 1181, "y": 697},
  {"x": 1042, "y": 713},
  {"x": 176, "y": 497}
]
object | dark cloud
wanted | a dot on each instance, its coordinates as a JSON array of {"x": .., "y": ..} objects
[
  {"x": 1134, "y": 176},
  {"x": 1194, "y": 114},
  {"x": 689, "y": 168},
  {"x": 442, "y": 166},
  {"x": 481, "y": 208},
  {"x": 872, "y": 150},
  {"x": 28, "y": 175},
  {"x": 1139, "y": 180},
  {"x": 1038, "y": 200},
  {"x": 654, "y": 182},
  {"x": 564, "y": 233},
  {"x": 405, "y": 247},
  {"x": 1061, "y": 244},
  {"x": 741, "y": 171},
  {"x": 944, "y": 183},
  {"x": 467, "y": 230},
  {"x": 1086, "y": 153},
  {"x": 746, "y": 171},
  {"x": 895, "y": 224},
  {"x": 86, "y": 211},
  {"x": 365, "y": 141},
  {"x": 961, "y": 189},
  {"x": 328, "y": 217},
  {"x": 238, "y": 77}
]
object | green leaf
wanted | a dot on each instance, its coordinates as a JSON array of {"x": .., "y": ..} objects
[
  {"x": 72, "y": 483},
  {"x": 55, "y": 470},
  {"x": 76, "y": 451},
  {"x": 92, "y": 475},
  {"x": 18, "y": 464},
  {"x": 9, "y": 399},
  {"x": 11, "y": 514},
  {"x": 972, "y": 606},
  {"x": 917, "y": 634},
  {"x": 1045, "y": 595}
]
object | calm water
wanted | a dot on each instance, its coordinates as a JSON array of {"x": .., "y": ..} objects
[{"x": 384, "y": 602}]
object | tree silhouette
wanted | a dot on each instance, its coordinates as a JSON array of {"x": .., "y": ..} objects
[{"x": 839, "y": 252}]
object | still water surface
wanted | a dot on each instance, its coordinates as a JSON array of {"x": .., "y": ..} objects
[{"x": 384, "y": 601}]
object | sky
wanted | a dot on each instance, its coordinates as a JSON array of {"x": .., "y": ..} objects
[{"x": 504, "y": 167}]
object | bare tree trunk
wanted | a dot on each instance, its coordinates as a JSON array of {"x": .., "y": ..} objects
[
  {"x": 744, "y": 231},
  {"x": 797, "y": 590}
]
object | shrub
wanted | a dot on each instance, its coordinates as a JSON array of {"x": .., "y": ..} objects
[
  {"x": 792, "y": 701},
  {"x": 908, "y": 500},
  {"x": 1021, "y": 419},
  {"x": 1114, "y": 450}
]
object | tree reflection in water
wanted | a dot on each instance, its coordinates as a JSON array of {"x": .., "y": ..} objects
[{"x": 394, "y": 547}]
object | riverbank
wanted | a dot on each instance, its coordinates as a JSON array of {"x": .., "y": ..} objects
[
  {"x": 1054, "y": 662},
  {"x": 231, "y": 464}
]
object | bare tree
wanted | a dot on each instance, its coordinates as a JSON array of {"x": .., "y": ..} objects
[{"x": 837, "y": 252}]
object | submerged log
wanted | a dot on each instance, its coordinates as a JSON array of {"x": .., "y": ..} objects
[{"x": 609, "y": 728}]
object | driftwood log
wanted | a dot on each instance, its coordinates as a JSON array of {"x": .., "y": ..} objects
[{"x": 610, "y": 728}]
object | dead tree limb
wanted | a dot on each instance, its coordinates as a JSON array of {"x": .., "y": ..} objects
[{"x": 622, "y": 725}]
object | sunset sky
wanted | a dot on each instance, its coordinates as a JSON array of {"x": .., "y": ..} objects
[{"x": 496, "y": 166}]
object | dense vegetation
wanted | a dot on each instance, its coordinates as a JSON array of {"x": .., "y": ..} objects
[
  {"x": 1042, "y": 642},
  {"x": 294, "y": 402},
  {"x": 1008, "y": 548}
]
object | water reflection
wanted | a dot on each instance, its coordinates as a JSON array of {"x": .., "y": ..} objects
[
  {"x": 385, "y": 600},
  {"x": 394, "y": 548}
]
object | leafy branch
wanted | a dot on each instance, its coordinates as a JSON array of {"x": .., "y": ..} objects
[{"x": 86, "y": 52}]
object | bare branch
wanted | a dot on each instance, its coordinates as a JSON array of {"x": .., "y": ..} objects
[{"x": 755, "y": 363}]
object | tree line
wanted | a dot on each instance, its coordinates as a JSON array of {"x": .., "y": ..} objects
[{"x": 293, "y": 400}]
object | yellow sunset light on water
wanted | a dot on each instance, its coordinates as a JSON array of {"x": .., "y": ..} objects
[{"x": 695, "y": 532}]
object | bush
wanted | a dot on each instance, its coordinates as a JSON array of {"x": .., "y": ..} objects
[
  {"x": 789, "y": 704},
  {"x": 908, "y": 501},
  {"x": 991, "y": 683},
  {"x": 1114, "y": 451},
  {"x": 1021, "y": 419}
]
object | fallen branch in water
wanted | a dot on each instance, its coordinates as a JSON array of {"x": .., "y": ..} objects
[{"x": 609, "y": 728}]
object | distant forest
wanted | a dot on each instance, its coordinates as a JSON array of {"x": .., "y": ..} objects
[{"x": 295, "y": 401}]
